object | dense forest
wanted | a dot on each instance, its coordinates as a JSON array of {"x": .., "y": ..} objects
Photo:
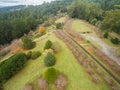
[
  {"x": 14, "y": 24},
  {"x": 103, "y": 13}
]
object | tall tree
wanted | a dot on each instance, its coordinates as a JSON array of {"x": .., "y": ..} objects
[{"x": 111, "y": 21}]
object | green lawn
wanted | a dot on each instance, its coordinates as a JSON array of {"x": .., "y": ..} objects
[
  {"x": 78, "y": 79},
  {"x": 62, "y": 19},
  {"x": 81, "y": 26},
  {"x": 108, "y": 42}
]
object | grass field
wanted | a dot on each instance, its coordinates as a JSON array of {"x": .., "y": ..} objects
[
  {"x": 78, "y": 79},
  {"x": 108, "y": 42},
  {"x": 81, "y": 26},
  {"x": 61, "y": 20}
]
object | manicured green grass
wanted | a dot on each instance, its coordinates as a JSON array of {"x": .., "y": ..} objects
[
  {"x": 78, "y": 79},
  {"x": 81, "y": 26},
  {"x": 62, "y": 19},
  {"x": 77, "y": 76},
  {"x": 108, "y": 42}
]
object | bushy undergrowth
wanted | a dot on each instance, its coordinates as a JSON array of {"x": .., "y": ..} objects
[
  {"x": 33, "y": 55},
  {"x": 59, "y": 25},
  {"x": 106, "y": 35},
  {"x": 115, "y": 40},
  {"x": 28, "y": 43}
]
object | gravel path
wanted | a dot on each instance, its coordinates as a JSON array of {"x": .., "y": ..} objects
[{"x": 108, "y": 50}]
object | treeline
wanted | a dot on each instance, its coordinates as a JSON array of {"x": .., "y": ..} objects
[
  {"x": 11, "y": 8},
  {"x": 14, "y": 24},
  {"x": 102, "y": 13}
]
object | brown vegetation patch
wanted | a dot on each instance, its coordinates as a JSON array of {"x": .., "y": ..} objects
[
  {"x": 61, "y": 82},
  {"x": 95, "y": 78},
  {"x": 89, "y": 49},
  {"x": 89, "y": 71},
  {"x": 99, "y": 71},
  {"x": 16, "y": 46},
  {"x": 108, "y": 80},
  {"x": 43, "y": 84},
  {"x": 108, "y": 61},
  {"x": 114, "y": 87},
  {"x": 28, "y": 87}
]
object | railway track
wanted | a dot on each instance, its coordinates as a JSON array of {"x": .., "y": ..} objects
[{"x": 97, "y": 61}]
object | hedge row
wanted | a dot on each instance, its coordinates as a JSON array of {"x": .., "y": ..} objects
[{"x": 11, "y": 66}]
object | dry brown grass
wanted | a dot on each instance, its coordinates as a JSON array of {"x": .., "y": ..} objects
[
  {"x": 43, "y": 84},
  {"x": 28, "y": 87},
  {"x": 61, "y": 82},
  {"x": 16, "y": 46}
]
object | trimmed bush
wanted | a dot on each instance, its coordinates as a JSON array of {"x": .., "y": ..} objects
[
  {"x": 35, "y": 54},
  {"x": 1, "y": 85},
  {"x": 49, "y": 60},
  {"x": 29, "y": 54},
  {"x": 115, "y": 40},
  {"x": 106, "y": 35},
  {"x": 11, "y": 66},
  {"x": 59, "y": 25},
  {"x": 48, "y": 45},
  {"x": 50, "y": 75},
  {"x": 28, "y": 43}
]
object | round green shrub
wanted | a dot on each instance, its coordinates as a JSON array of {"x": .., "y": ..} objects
[
  {"x": 59, "y": 26},
  {"x": 115, "y": 40},
  {"x": 29, "y": 54},
  {"x": 50, "y": 75},
  {"x": 35, "y": 54},
  {"x": 49, "y": 60},
  {"x": 106, "y": 35},
  {"x": 48, "y": 45}
]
